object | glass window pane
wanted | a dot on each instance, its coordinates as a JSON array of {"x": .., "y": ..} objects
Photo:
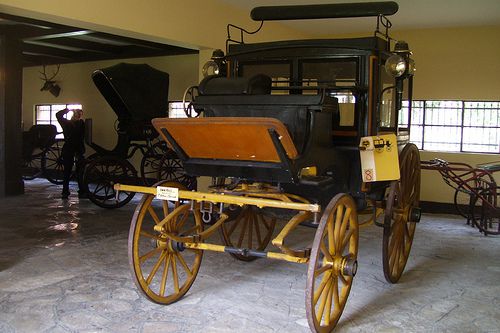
[
  {"x": 443, "y": 112},
  {"x": 481, "y": 114},
  {"x": 442, "y": 138},
  {"x": 416, "y": 135},
  {"x": 477, "y": 139},
  {"x": 46, "y": 114},
  {"x": 329, "y": 72}
]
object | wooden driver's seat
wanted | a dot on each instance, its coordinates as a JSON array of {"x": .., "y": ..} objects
[{"x": 254, "y": 148}]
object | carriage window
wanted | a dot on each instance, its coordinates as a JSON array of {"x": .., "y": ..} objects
[
  {"x": 388, "y": 101},
  {"x": 46, "y": 114},
  {"x": 327, "y": 73},
  {"x": 347, "y": 103},
  {"x": 278, "y": 71}
]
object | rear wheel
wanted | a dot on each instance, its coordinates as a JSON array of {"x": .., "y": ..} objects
[
  {"x": 101, "y": 174},
  {"x": 250, "y": 229},
  {"x": 401, "y": 214}
]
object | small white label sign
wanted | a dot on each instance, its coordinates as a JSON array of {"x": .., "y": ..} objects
[{"x": 167, "y": 193}]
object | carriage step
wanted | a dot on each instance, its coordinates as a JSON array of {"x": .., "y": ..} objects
[{"x": 316, "y": 180}]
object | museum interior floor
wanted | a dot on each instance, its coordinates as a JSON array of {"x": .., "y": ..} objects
[{"x": 64, "y": 268}]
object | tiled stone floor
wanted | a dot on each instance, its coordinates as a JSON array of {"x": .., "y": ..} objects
[{"x": 64, "y": 268}]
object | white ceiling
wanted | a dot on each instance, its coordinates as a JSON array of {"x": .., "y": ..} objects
[{"x": 412, "y": 14}]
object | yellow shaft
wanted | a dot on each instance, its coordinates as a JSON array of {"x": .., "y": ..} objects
[{"x": 224, "y": 198}]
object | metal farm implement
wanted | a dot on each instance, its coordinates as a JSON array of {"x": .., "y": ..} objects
[
  {"x": 307, "y": 127},
  {"x": 477, "y": 194}
]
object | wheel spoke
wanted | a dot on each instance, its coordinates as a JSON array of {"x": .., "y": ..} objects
[
  {"x": 321, "y": 270},
  {"x": 341, "y": 237},
  {"x": 257, "y": 230},
  {"x": 324, "y": 250},
  {"x": 346, "y": 239},
  {"x": 242, "y": 231},
  {"x": 153, "y": 214},
  {"x": 328, "y": 306},
  {"x": 321, "y": 309},
  {"x": 155, "y": 268},
  {"x": 149, "y": 235},
  {"x": 336, "y": 299},
  {"x": 149, "y": 254},
  {"x": 183, "y": 220},
  {"x": 184, "y": 264},
  {"x": 175, "y": 275},
  {"x": 164, "y": 276},
  {"x": 250, "y": 224},
  {"x": 321, "y": 287},
  {"x": 165, "y": 207}
]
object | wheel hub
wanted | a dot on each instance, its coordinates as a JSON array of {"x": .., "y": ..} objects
[
  {"x": 415, "y": 214},
  {"x": 345, "y": 265}
]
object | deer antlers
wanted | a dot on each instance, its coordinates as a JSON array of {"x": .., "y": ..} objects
[
  {"x": 49, "y": 83},
  {"x": 44, "y": 73}
]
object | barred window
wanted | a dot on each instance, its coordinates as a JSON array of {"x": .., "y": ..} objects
[
  {"x": 456, "y": 126},
  {"x": 46, "y": 114}
]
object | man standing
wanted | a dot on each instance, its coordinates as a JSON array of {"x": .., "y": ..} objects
[{"x": 73, "y": 148}]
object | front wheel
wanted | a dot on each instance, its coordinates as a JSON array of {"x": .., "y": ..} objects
[
  {"x": 332, "y": 264},
  {"x": 163, "y": 269}
]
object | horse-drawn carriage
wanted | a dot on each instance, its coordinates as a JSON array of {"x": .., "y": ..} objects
[
  {"x": 308, "y": 127},
  {"x": 137, "y": 93},
  {"x": 41, "y": 154}
]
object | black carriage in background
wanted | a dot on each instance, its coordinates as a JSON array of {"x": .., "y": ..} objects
[
  {"x": 137, "y": 93},
  {"x": 41, "y": 155},
  {"x": 314, "y": 127}
]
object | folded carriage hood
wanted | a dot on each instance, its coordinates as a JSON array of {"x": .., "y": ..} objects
[{"x": 136, "y": 92}]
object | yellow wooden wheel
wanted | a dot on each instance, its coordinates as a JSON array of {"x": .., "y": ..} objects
[
  {"x": 333, "y": 264},
  {"x": 162, "y": 269},
  {"x": 250, "y": 229},
  {"x": 401, "y": 214}
]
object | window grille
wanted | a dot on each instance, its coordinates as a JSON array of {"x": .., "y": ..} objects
[{"x": 456, "y": 126}]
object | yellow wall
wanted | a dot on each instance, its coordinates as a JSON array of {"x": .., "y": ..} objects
[{"x": 456, "y": 63}]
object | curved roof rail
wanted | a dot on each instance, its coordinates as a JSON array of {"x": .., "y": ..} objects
[{"x": 325, "y": 11}]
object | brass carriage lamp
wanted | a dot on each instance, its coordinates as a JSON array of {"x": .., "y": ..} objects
[
  {"x": 400, "y": 64},
  {"x": 215, "y": 66}
]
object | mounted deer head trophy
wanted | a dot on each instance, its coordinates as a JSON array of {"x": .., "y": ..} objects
[{"x": 49, "y": 84}]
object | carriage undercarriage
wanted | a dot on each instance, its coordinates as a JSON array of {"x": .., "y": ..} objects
[{"x": 169, "y": 233}]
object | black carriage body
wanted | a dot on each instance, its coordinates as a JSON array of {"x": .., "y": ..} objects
[{"x": 326, "y": 92}]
